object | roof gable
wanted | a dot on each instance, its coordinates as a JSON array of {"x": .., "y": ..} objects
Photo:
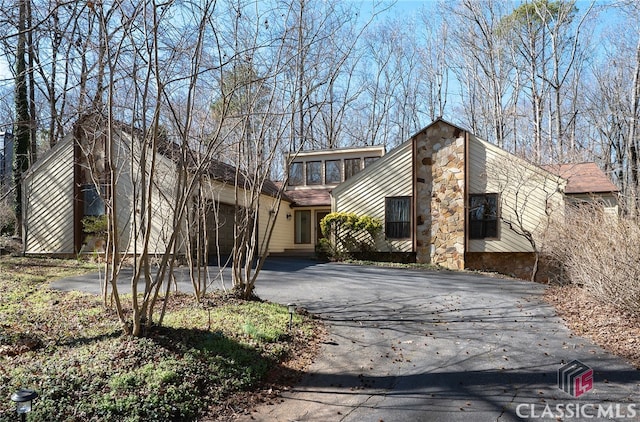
[
  {"x": 435, "y": 122},
  {"x": 93, "y": 122}
]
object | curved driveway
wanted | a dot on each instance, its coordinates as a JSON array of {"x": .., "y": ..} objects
[{"x": 415, "y": 345}]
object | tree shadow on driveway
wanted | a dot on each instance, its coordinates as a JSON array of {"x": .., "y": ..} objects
[
  {"x": 449, "y": 395},
  {"x": 424, "y": 345}
]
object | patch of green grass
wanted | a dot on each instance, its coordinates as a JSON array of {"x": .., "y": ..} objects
[
  {"x": 71, "y": 350},
  {"x": 258, "y": 321},
  {"x": 269, "y": 335}
]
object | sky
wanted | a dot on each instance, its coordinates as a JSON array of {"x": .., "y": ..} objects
[
  {"x": 4, "y": 69},
  {"x": 399, "y": 7},
  {"x": 396, "y": 8}
]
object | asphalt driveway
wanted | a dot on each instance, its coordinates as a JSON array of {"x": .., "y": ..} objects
[{"x": 414, "y": 345}]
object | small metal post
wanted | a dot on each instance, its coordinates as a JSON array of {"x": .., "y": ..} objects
[{"x": 292, "y": 309}]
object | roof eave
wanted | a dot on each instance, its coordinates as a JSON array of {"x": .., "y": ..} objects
[{"x": 613, "y": 192}]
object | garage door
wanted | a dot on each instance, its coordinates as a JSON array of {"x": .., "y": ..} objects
[{"x": 220, "y": 230}]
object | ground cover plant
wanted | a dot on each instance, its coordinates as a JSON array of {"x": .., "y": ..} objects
[{"x": 71, "y": 350}]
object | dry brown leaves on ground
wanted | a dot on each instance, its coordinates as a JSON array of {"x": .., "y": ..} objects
[{"x": 612, "y": 329}]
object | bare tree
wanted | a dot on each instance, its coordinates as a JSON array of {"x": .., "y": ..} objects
[
  {"x": 435, "y": 73},
  {"x": 159, "y": 171},
  {"x": 481, "y": 49},
  {"x": 382, "y": 73},
  {"x": 633, "y": 145},
  {"x": 588, "y": 232},
  {"x": 612, "y": 104},
  {"x": 379, "y": 92},
  {"x": 258, "y": 126},
  {"x": 23, "y": 130},
  {"x": 530, "y": 198},
  {"x": 546, "y": 41}
]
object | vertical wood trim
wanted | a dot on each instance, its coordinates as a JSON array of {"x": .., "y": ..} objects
[
  {"x": 414, "y": 199},
  {"x": 78, "y": 208}
]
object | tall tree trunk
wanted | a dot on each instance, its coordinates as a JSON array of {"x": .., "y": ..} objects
[
  {"x": 300, "y": 80},
  {"x": 31, "y": 86},
  {"x": 633, "y": 142},
  {"x": 22, "y": 139}
]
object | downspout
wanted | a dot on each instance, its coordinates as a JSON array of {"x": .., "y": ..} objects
[{"x": 465, "y": 194}]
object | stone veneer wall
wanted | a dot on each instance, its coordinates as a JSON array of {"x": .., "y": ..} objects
[
  {"x": 439, "y": 163},
  {"x": 514, "y": 264}
]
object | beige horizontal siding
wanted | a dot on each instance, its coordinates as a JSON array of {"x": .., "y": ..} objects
[
  {"x": 526, "y": 193},
  {"x": 164, "y": 194},
  {"x": 365, "y": 193},
  {"x": 282, "y": 234},
  {"x": 608, "y": 201},
  {"x": 128, "y": 202}
]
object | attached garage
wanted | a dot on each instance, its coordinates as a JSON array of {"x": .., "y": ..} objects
[
  {"x": 220, "y": 229},
  {"x": 54, "y": 200}
]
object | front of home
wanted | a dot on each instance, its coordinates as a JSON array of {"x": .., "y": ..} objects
[{"x": 445, "y": 197}]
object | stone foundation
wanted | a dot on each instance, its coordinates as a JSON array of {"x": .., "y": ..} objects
[{"x": 513, "y": 264}]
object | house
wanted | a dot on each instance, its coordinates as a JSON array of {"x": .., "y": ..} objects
[
  {"x": 454, "y": 200},
  {"x": 70, "y": 184},
  {"x": 445, "y": 197}
]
